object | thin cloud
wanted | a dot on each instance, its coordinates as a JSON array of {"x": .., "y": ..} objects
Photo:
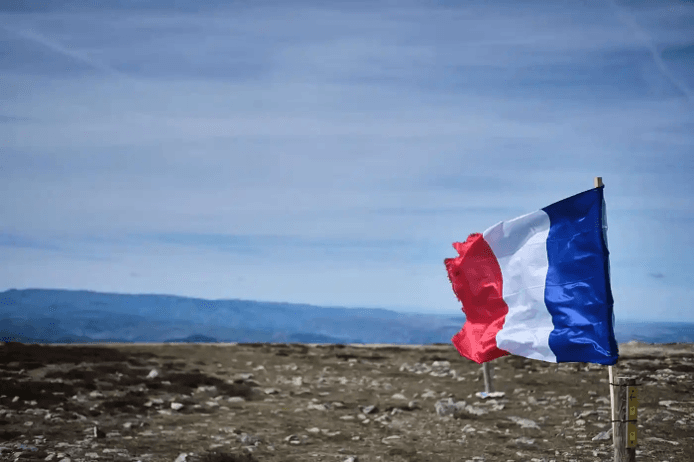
[
  {"x": 18, "y": 241},
  {"x": 628, "y": 19},
  {"x": 55, "y": 46},
  {"x": 10, "y": 119}
]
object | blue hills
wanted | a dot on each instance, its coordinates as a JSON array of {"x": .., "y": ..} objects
[
  {"x": 67, "y": 316},
  {"x": 79, "y": 316}
]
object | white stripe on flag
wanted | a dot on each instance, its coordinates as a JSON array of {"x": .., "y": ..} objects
[{"x": 520, "y": 246}]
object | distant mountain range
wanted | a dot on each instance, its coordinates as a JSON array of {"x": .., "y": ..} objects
[{"x": 66, "y": 316}]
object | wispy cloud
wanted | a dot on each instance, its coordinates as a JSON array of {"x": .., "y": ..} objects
[
  {"x": 287, "y": 248},
  {"x": 628, "y": 18},
  {"x": 16, "y": 241},
  {"x": 10, "y": 119},
  {"x": 56, "y": 47}
]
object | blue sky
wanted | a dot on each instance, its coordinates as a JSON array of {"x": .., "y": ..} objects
[{"x": 331, "y": 152}]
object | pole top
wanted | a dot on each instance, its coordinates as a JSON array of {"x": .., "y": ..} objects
[{"x": 598, "y": 181}]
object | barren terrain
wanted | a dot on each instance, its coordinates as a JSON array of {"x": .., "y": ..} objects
[{"x": 295, "y": 402}]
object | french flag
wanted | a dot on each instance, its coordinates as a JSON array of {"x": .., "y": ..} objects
[{"x": 538, "y": 286}]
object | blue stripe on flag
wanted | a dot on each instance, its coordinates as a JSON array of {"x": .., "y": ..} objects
[{"x": 577, "y": 290}]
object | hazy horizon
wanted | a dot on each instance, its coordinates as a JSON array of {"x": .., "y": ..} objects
[{"x": 404, "y": 310}]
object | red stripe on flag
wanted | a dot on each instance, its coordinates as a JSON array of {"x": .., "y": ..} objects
[{"x": 477, "y": 282}]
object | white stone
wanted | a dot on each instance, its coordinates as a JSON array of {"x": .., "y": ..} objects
[
  {"x": 390, "y": 439},
  {"x": 446, "y": 407},
  {"x": 606, "y": 435},
  {"x": 660, "y": 440},
  {"x": 524, "y": 423},
  {"x": 524, "y": 441},
  {"x": 368, "y": 409}
]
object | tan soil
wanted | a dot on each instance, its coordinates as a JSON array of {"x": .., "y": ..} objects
[{"x": 53, "y": 397}]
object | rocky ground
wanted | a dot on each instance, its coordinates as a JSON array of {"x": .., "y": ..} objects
[{"x": 278, "y": 402}]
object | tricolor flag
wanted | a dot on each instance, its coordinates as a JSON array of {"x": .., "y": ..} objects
[{"x": 538, "y": 286}]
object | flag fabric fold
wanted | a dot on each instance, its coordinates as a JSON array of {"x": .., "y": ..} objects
[{"x": 538, "y": 286}]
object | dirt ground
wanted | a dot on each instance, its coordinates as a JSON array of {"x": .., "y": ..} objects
[{"x": 357, "y": 403}]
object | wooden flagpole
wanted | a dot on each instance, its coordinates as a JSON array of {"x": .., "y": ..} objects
[
  {"x": 597, "y": 183},
  {"x": 487, "y": 372},
  {"x": 611, "y": 379}
]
